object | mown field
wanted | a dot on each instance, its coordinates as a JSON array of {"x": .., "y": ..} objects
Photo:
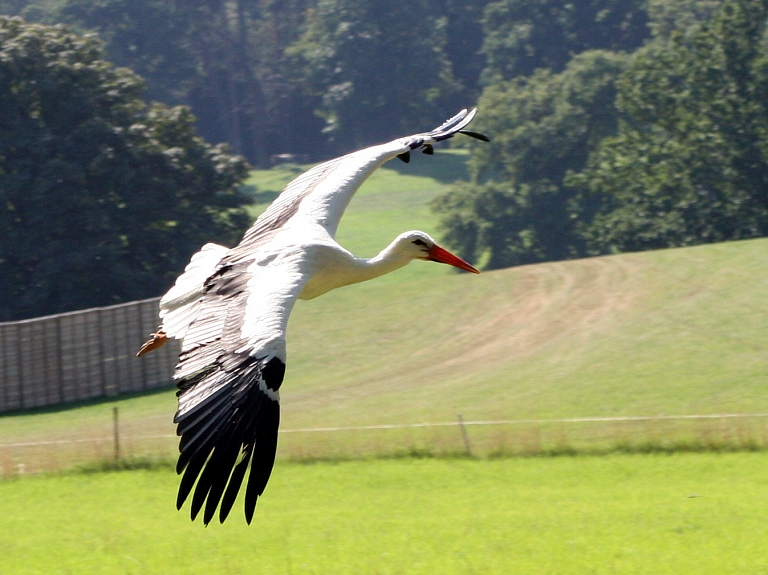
[
  {"x": 629, "y": 514},
  {"x": 663, "y": 333},
  {"x": 670, "y": 332}
]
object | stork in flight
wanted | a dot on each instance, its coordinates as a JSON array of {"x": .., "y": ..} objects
[{"x": 230, "y": 308}]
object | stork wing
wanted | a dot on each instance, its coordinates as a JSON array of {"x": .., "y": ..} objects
[
  {"x": 230, "y": 369},
  {"x": 321, "y": 195}
]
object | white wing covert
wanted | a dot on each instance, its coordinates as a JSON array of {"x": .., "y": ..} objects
[{"x": 181, "y": 305}]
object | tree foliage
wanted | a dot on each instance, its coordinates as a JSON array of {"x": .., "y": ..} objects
[
  {"x": 224, "y": 58},
  {"x": 249, "y": 70},
  {"x": 517, "y": 209},
  {"x": 678, "y": 158},
  {"x": 378, "y": 67},
  {"x": 681, "y": 16},
  {"x": 273, "y": 76},
  {"x": 691, "y": 164},
  {"x": 102, "y": 198},
  {"x": 463, "y": 48},
  {"x": 523, "y": 35}
]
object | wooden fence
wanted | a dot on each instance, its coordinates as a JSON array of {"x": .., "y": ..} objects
[{"x": 81, "y": 355}]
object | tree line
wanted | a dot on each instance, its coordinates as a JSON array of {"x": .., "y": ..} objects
[
  {"x": 325, "y": 76},
  {"x": 602, "y": 149},
  {"x": 103, "y": 197}
]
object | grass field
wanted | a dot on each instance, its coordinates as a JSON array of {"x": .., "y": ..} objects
[
  {"x": 657, "y": 333},
  {"x": 679, "y": 514}
]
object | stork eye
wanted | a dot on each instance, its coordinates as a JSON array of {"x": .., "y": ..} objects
[{"x": 421, "y": 243}]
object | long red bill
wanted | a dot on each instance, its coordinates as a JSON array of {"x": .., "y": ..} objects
[{"x": 438, "y": 254}]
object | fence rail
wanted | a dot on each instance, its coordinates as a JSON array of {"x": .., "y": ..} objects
[
  {"x": 137, "y": 439},
  {"x": 81, "y": 355},
  {"x": 458, "y": 423}
]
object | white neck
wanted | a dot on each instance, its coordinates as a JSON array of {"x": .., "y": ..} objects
[
  {"x": 388, "y": 260},
  {"x": 341, "y": 268}
]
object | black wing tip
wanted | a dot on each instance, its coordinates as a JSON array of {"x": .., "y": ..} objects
[
  {"x": 225, "y": 435},
  {"x": 456, "y": 125},
  {"x": 476, "y": 135}
]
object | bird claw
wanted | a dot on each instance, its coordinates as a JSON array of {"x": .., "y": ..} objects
[{"x": 159, "y": 339}]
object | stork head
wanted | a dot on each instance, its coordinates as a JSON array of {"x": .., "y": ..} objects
[{"x": 418, "y": 245}]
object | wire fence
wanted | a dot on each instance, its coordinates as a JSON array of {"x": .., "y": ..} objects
[
  {"x": 116, "y": 441},
  {"x": 459, "y": 423},
  {"x": 81, "y": 355}
]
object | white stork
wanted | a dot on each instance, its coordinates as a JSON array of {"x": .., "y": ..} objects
[{"x": 231, "y": 306}]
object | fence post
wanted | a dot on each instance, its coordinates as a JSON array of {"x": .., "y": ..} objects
[
  {"x": 59, "y": 360},
  {"x": 116, "y": 431},
  {"x": 143, "y": 361},
  {"x": 100, "y": 334},
  {"x": 19, "y": 366},
  {"x": 464, "y": 434}
]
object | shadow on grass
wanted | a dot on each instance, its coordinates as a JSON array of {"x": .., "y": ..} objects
[
  {"x": 639, "y": 448},
  {"x": 645, "y": 448}
]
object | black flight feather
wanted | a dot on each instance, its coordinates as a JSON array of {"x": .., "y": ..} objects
[
  {"x": 405, "y": 156},
  {"x": 188, "y": 480},
  {"x": 476, "y": 135},
  {"x": 234, "y": 485},
  {"x": 238, "y": 420}
]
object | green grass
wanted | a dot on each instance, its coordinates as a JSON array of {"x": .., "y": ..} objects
[
  {"x": 600, "y": 515},
  {"x": 657, "y": 333},
  {"x": 668, "y": 332}
]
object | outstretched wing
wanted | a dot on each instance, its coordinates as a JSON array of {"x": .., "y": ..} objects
[
  {"x": 229, "y": 372},
  {"x": 321, "y": 195}
]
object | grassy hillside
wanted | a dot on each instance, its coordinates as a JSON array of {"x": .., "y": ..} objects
[{"x": 656, "y": 333}]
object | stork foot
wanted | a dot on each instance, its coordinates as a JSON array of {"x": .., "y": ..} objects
[{"x": 159, "y": 339}]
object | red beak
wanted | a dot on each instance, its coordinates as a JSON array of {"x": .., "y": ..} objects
[{"x": 438, "y": 254}]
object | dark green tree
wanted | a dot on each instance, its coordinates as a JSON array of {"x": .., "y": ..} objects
[
  {"x": 517, "y": 209},
  {"x": 463, "y": 47},
  {"x": 523, "y": 35},
  {"x": 227, "y": 60},
  {"x": 691, "y": 163},
  {"x": 224, "y": 58},
  {"x": 377, "y": 67},
  {"x": 681, "y": 16},
  {"x": 102, "y": 198},
  {"x": 44, "y": 11}
]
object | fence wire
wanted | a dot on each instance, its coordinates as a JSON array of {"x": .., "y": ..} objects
[{"x": 458, "y": 423}]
